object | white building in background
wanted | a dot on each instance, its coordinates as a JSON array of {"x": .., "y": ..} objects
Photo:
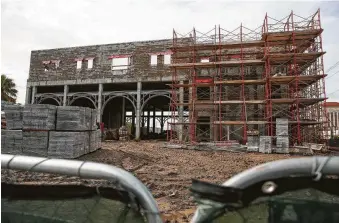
[{"x": 333, "y": 117}]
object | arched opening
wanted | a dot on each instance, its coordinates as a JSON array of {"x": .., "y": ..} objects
[
  {"x": 154, "y": 116},
  {"x": 49, "y": 101},
  {"x": 118, "y": 111},
  {"x": 83, "y": 102}
]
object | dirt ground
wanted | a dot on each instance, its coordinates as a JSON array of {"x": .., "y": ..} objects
[{"x": 168, "y": 172}]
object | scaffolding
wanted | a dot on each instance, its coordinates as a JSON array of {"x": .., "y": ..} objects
[{"x": 232, "y": 83}]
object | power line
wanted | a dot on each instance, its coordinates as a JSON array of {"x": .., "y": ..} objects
[
  {"x": 332, "y": 92},
  {"x": 332, "y": 67},
  {"x": 332, "y": 75}
]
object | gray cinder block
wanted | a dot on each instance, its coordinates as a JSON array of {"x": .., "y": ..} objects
[
  {"x": 39, "y": 117},
  {"x": 94, "y": 119},
  {"x": 68, "y": 144},
  {"x": 95, "y": 140},
  {"x": 11, "y": 141},
  {"x": 35, "y": 143},
  {"x": 13, "y": 114},
  {"x": 70, "y": 118}
]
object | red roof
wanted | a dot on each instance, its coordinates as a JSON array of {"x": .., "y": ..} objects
[{"x": 332, "y": 104}]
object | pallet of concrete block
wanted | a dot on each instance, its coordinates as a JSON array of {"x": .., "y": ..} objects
[
  {"x": 265, "y": 144},
  {"x": 71, "y": 118},
  {"x": 281, "y": 127},
  {"x": 95, "y": 140},
  {"x": 11, "y": 141},
  {"x": 282, "y": 144},
  {"x": 94, "y": 113},
  {"x": 35, "y": 143},
  {"x": 39, "y": 117},
  {"x": 252, "y": 143},
  {"x": 13, "y": 114},
  {"x": 68, "y": 144}
]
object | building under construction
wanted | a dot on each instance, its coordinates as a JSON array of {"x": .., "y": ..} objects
[
  {"x": 233, "y": 84},
  {"x": 218, "y": 87}
]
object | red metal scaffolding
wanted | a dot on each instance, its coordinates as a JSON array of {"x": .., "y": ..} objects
[{"x": 233, "y": 82}]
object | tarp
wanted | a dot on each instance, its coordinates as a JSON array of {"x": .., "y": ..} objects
[{"x": 67, "y": 203}]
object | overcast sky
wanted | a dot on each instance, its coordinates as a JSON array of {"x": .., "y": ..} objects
[{"x": 41, "y": 24}]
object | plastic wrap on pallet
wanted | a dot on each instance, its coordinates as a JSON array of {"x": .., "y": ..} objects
[
  {"x": 281, "y": 121},
  {"x": 67, "y": 144},
  {"x": 265, "y": 145},
  {"x": 252, "y": 143},
  {"x": 35, "y": 143},
  {"x": 11, "y": 141},
  {"x": 39, "y": 117},
  {"x": 281, "y": 127},
  {"x": 71, "y": 118},
  {"x": 13, "y": 114},
  {"x": 282, "y": 144}
]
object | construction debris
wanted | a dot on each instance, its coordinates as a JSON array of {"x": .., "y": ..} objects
[
  {"x": 160, "y": 169},
  {"x": 111, "y": 134},
  {"x": 301, "y": 150},
  {"x": 123, "y": 133}
]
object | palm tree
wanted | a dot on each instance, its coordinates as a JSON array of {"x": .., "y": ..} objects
[{"x": 8, "y": 90}]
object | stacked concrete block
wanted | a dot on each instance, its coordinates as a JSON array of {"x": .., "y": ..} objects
[
  {"x": 265, "y": 145},
  {"x": 39, "y": 117},
  {"x": 71, "y": 118},
  {"x": 68, "y": 144},
  {"x": 252, "y": 143},
  {"x": 282, "y": 144},
  {"x": 86, "y": 140},
  {"x": 35, "y": 143},
  {"x": 95, "y": 140},
  {"x": 94, "y": 113},
  {"x": 13, "y": 114},
  {"x": 282, "y": 135},
  {"x": 281, "y": 127},
  {"x": 11, "y": 141},
  {"x": 48, "y": 130}
]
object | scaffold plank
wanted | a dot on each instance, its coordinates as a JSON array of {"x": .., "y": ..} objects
[
  {"x": 213, "y": 64},
  {"x": 240, "y": 122},
  {"x": 240, "y": 102}
]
